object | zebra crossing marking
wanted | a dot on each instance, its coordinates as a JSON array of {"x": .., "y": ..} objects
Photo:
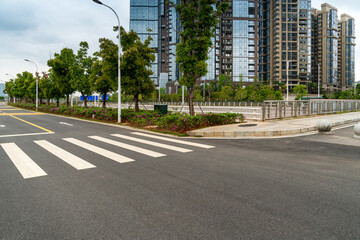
[
  {"x": 129, "y": 147},
  {"x": 174, "y": 140},
  {"x": 103, "y": 152},
  {"x": 67, "y": 157},
  {"x": 161, "y": 145},
  {"x": 25, "y": 165}
]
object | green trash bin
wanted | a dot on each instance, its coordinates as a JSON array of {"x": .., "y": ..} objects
[{"x": 162, "y": 108}]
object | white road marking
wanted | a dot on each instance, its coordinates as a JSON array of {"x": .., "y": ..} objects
[
  {"x": 27, "y": 167},
  {"x": 161, "y": 145},
  {"x": 2, "y": 126},
  {"x": 68, "y": 124},
  {"x": 174, "y": 140},
  {"x": 129, "y": 147},
  {"x": 103, "y": 152},
  {"x": 25, "y": 134},
  {"x": 67, "y": 157}
]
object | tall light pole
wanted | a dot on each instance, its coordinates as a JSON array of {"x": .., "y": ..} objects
[
  {"x": 204, "y": 90},
  {"x": 287, "y": 80},
  {"x": 119, "y": 72},
  {"x": 14, "y": 80},
  {"x": 37, "y": 85},
  {"x": 318, "y": 80}
]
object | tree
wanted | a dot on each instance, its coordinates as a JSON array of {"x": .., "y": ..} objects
[
  {"x": 61, "y": 67},
  {"x": 103, "y": 77},
  {"x": 49, "y": 88},
  {"x": 226, "y": 93},
  {"x": 136, "y": 66},
  {"x": 20, "y": 89},
  {"x": 300, "y": 91},
  {"x": 198, "y": 20},
  {"x": 81, "y": 71},
  {"x": 9, "y": 85}
]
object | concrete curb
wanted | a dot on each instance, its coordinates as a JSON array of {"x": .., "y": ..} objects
[{"x": 264, "y": 133}]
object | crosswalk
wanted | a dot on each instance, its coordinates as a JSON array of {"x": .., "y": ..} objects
[{"x": 28, "y": 167}]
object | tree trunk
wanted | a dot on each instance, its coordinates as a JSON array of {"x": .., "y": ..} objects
[
  {"x": 136, "y": 98},
  {"x": 57, "y": 102},
  {"x": 67, "y": 100},
  {"x": 85, "y": 99},
  {"x": 104, "y": 101},
  {"x": 48, "y": 101},
  {"x": 191, "y": 101}
]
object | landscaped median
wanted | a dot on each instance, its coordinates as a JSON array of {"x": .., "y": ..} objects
[{"x": 176, "y": 123}]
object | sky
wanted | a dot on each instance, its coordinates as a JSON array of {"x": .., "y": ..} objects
[{"x": 36, "y": 29}]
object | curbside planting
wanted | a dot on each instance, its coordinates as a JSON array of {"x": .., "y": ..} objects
[{"x": 173, "y": 122}]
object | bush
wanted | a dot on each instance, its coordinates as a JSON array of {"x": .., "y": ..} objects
[{"x": 174, "y": 122}]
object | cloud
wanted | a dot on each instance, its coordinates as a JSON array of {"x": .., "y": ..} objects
[{"x": 33, "y": 29}]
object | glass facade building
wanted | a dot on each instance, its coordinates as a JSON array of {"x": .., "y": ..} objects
[
  {"x": 268, "y": 40},
  {"x": 346, "y": 51},
  {"x": 144, "y": 21},
  {"x": 333, "y": 49}
]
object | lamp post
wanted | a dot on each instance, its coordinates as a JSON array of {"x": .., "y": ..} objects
[
  {"x": 14, "y": 80},
  {"x": 287, "y": 80},
  {"x": 37, "y": 85},
  {"x": 204, "y": 90},
  {"x": 119, "y": 73},
  {"x": 318, "y": 80}
]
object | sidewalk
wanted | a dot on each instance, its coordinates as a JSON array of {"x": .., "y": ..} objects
[{"x": 275, "y": 127}]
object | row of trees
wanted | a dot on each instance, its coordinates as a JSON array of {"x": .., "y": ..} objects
[{"x": 70, "y": 72}]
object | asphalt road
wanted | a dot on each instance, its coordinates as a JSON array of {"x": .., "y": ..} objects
[{"x": 62, "y": 178}]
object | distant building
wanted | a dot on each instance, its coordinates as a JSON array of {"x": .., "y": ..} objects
[
  {"x": 267, "y": 40},
  {"x": 333, "y": 59},
  {"x": 346, "y": 46}
]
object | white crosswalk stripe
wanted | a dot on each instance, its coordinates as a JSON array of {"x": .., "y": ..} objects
[
  {"x": 128, "y": 147},
  {"x": 67, "y": 157},
  {"x": 26, "y": 166},
  {"x": 156, "y": 144},
  {"x": 174, "y": 140},
  {"x": 103, "y": 152},
  {"x": 29, "y": 169}
]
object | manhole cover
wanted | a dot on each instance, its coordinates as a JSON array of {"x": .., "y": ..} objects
[{"x": 248, "y": 125}]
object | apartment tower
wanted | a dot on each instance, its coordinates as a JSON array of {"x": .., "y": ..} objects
[
  {"x": 285, "y": 41},
  {"x": 346, "y": 51}
]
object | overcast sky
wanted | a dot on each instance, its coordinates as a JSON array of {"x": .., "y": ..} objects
[{"x": 36, "y": 29}]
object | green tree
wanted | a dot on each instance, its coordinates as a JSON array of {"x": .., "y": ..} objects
[
  {"x": 9, "y": 85},
  {"x": 61, "y": 67},
  {"x": 226, "y": 93},
  {"x": 21, "y": 88},
  {"x": 136, "y": 66},
  {"x": 103, "y": 77},
  {"x": 81, "y": 71},
  {"x": 300, "y": 91},
  {"x": 49, "y": 88},
  {"x": 198, "y": 20}
]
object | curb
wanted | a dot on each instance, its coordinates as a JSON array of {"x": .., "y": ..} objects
[{"x": 275, "y": 133}]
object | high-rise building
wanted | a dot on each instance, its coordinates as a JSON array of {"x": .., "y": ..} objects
[
  {"x": 268, "y": 40},
  {"x": 144, "y": 20},
  {"x": 325, "y": 47},
  {"x": 285, "y": 41},
  {"x": 237, "y": 41},
  {"x": 346, "y": 51}
]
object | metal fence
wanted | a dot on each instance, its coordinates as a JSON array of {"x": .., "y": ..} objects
[{"x": 286, "y": 109}]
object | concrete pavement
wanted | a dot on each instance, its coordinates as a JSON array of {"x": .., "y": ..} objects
[{"x": 276, "y": 127}]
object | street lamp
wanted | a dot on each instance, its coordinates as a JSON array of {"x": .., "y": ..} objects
[
  {"x": 119, "y": 73},
  {"x": 14, "y": 80},
  {"x": 318, "y": 80},
  {"x": 37, "y": 85},
  {"x": 287, "y": 80}
]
